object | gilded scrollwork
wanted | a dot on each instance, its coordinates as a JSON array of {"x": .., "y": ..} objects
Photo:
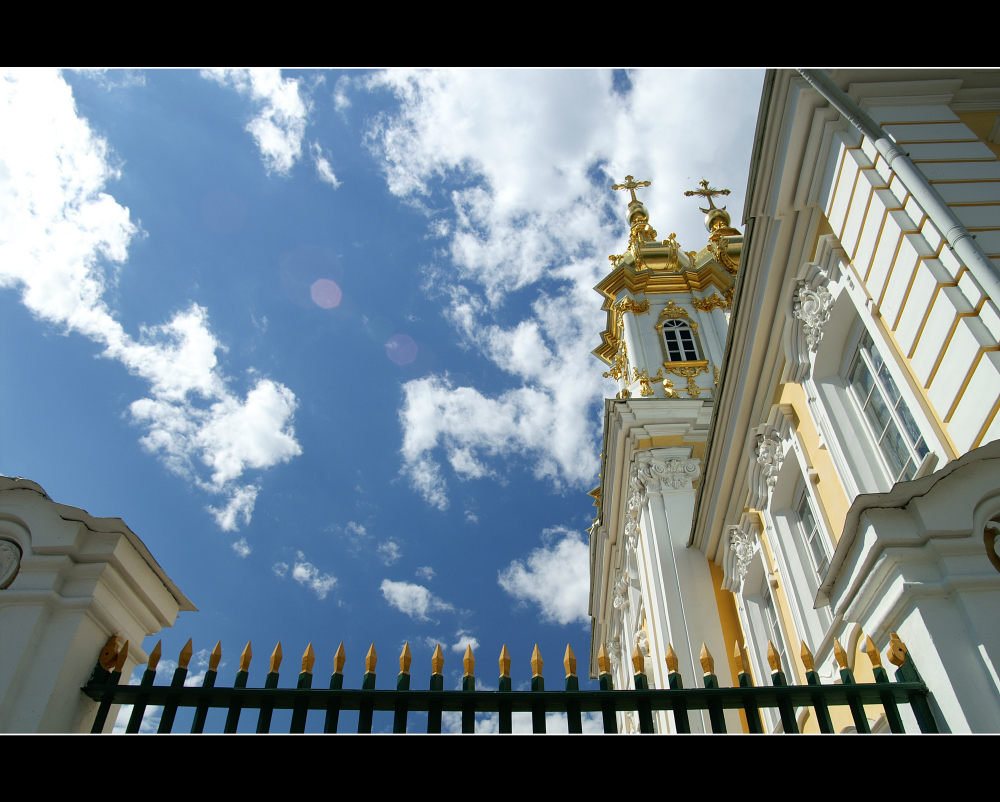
[
  {"x": 645, "y": 381},
  {"x": 689, "y": 372},
  {"x": 619, "y": 367},
  {"x": 714, "y": 301},
  {"x": 672, "y": 312}
]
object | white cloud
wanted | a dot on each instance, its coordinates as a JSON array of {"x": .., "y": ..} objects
[
  {"x": 414, "y": 600},
  {"x": 535, "y": 154},
  {"x": 389, "y": 551},
  {"x": 242, "y": 548},
  {"x": 555, "y": 723},
  {"x": 61, "y": 239},
  {"x": 280, "y": 570},
  {"x": 307, "y": 574},
  {"x": 465, "y": 639},
  {"x": 425, "y": 572},
  {"x": 282, "y": 113},
  {"x": 556, "y": 578},
  {"x": 323, "y": 168}
]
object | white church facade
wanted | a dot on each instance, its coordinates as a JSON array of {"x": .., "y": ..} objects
[{"x": 803, "y": 447}]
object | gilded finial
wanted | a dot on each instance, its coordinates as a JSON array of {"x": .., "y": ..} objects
[
  {"x": 276, "y": 659},
  {"x": 246, "y": 657},
  {"x": 638, "y": 660},
  {"x": 437, "y": 660},
  {"x": 370, "y": 660},
  {"x": 773, "y": 658},
  {"x": 603, "y": 663},
  {"x": 707, "y": 661},
  {"x": 154, "y": 656},
  {"x": 708, "y": 193},
  {"x": 504, "y": 662},
  {"x": 308, "y": 660},
  {"x": 215, "y": 657},
  {"x": 108, "y": 654},
  {"x": 897, "y": 650},
  {"x": 469, "y": 661},
  {"x": 631, "y": 185},
  {"x": 185, "y": 655},
  {"x": 569, "y": 661},
  {"x": 536, "y": 662},
  {"x": 807, "y": 658},
  {"x": 405, "y": 658},
  {"x": 840, "y": 654},
  {"x": 339, "y": 658},
  {"x": 120, "y": 660},
  {"x": 872, "y": 652},
  {"x": 671, "y": 659}
]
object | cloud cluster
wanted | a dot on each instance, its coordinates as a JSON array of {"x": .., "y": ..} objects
[
  {"x": 61, "y": 234},
  {"x": 555, "y": 577},
  {"x": 307, "y": 574},
  {"x": 516, "y": 166},
  {"x": 414, "y": 600}
]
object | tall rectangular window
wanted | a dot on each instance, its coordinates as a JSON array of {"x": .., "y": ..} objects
[
  {"x": 812, "y": 534},
  {"x": 892, "y": 426},
  {"x": 679, "y": 341}
]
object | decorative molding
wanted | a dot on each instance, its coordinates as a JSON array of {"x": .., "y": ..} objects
[
  {"x": 808, "y": 308},
  {"x": 742, "y": 545},
  {"x": 672, "y": 312},
  {"x": 688, "y": 370},
  {"x": 766, "y": 458},
  {"x": 714, "y": 301},
  {"x": 619, "y": 367},
  {"x": 656, "y": 474},
  {"x": 739, "y": 545},
  {"x": 10, "y": 562}
]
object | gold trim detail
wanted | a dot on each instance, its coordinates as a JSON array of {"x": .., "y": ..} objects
[
  {"x": 714, "y": 301},
  {"x": 688, "y": 370},
  {"x": 645, "y": 381},
  {"x": 672, "y": 312}
]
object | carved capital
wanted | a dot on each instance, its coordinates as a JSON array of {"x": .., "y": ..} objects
[
  {"x": 812, "y": 307},
  {"x": 664, "y": 474}
]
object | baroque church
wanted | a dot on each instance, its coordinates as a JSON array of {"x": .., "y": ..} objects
[{"x": 802, "y": 453}]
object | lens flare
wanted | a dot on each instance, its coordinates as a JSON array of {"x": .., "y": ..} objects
[
  {"x": 326, "y": 293},
  {"x": 401, "y": 349}
]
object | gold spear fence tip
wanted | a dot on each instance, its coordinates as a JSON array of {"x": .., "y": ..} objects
[
  {"x": 740, "y": 656},
  {"x": 370, "y": 660},
  {"x": 308, "y": 660},
  {"x": 872, "y": 652},
  {"x": 897, "y": 650},
  {"x": 216, "y": 657},
  {"x": 276, "y": 659},
  {"x": 536, "y": 662},
  {"x": 120, "y": 660},
  {"x": 603, "y": 664},
  {"x": 807, "y": 658},
  {"x": 840, "y": 654},
  {"x": 569, "y": 661},
  {"x": 773, "y": 658},
  {"x": 185, "y": 655},
  {"x": 339, "y": 658},
  {"x": 246, "y": 657},
  {"x": 707, "y": 661},
  {"x": 671, "y": 659},
  {"x": 109, "y": 653},
  {"x": 469, "y": 661},
  {"x": 504, "y": 662},
  {"x": 437, "y": 660},
  {"x": 405, "y": 658},
  {"x": 638, "y": 661},
  {"x": 154, "y": 656}
]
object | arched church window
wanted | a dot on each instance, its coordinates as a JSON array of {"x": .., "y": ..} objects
[{"x": 679, "y": 341}]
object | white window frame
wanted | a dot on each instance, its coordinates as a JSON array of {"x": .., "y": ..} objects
[{"x": 671, "y": 332}]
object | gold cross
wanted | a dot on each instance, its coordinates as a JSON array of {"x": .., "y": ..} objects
[
  {"x": 631, "y": 185},
  {"x": 706, "y": 192}
]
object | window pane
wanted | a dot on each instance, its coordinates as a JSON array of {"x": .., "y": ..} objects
[
  {"x": 888, "y": 384},
  {"x": 909, "y": 425},
  {"x": 894, "y": 450},
  {"x": 862, "y": 381},
  {"x": 878, "y": 413}
]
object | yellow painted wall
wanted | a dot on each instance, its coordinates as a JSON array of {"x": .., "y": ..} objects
[{"x": 732, "y": 632}]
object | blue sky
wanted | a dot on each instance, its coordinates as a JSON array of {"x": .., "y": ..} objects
[{"x": 322, "y": 339}]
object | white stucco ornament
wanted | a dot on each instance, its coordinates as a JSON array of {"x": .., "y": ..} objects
[
  {"x": 812, "y": 307},
  {"x": 769, "y": 456},
  {"x": 10, "y": 562},
  {"x": 742, "y": 544},
  {"x": 659, "y": 475}
]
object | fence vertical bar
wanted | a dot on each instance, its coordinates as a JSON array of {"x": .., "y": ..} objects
[
  {"x": 607, "y": 685},
  {"x": 715, "y": 712},
  {"x": 574, "y": 721},
  {"x": 681, "y": 721},
  {"x": 336, "y": 684},
  {"x": 201, "y": 712},
  {"x": 812, "y": 678},
  {"x": 301, "y": 709},
  {"x": 906, "y": 671},
  {"x": 469, "y": 685},
  {"x": 139, "y": 708},
  {"x": 847, "y": 678},
  {"x": 537, "y": 684},
  {"x": 367, "y": 684},
  {"x": 437, "y": 684},
  {"x": 503, "y": 705},
  {"x": 270, "y": 681},
  {"x": 402, "y": 684},
  {"x": 113, "y": 680},
  {"x": 643, "y": 706},
  {"x": 754, "y": 722},
  {"x": 235, "y": 708},
  {"x": 180, "y": 673},
  {"x": 785, "y": 709},
  {"x": 882, "y": 678}
]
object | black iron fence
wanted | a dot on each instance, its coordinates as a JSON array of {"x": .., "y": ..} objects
[{"x": 907, "y": 689}]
